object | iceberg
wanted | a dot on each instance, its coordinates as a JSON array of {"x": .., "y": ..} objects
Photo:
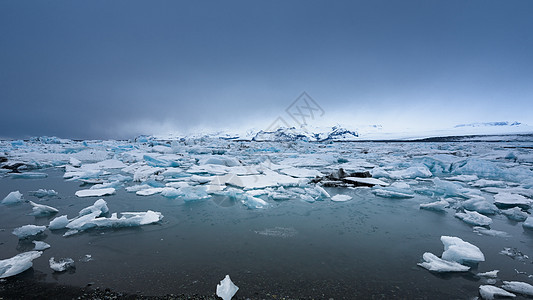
[
  {"x": 474, "y": 218},
  {"x": 95, "y": 192},
  {"x": 42, "y": 210},
  {"x": 491, "y": 232},
  {"x": 508, "y": 200},
  {"x": 341, "y": 198},
  {"x": 479, "y": 204},
  {"x": 489, "y": 292},
  {"x": 18, "y": 263},
  {"x": 518, "y": 287},
  {"x": 435, "y": 206},
  {"x": 226, "y": 289},
  {"x": 39, "y": 245},
  {"x": 435, "y": 264},
  {"x": 61, "y": 265},
  {"x": 41, "y": 193},
  {"x": 29, "y": 175},
  {"x": 455, "y": 249},
  {"x": 254, "y": 202},
  {"x": 58, "y": 223},
  {"x": 28, "y": 230},
  {"x": 12, "y": 198},
  {"x": 515, "y": 214},
  {"x": 528, "y": 223},
  {"x": 409, "y": 173}
]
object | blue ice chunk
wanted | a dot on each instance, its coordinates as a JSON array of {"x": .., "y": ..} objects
[{"x": 159, "y": 162}]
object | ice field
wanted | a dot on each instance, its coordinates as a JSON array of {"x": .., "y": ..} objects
[{"x": 285, "y": 216}]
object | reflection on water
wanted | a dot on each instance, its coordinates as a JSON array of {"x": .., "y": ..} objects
[{"x": 367, "y": 247}]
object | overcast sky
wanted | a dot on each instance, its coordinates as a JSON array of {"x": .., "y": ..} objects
[{"x": 115, "y": 69}]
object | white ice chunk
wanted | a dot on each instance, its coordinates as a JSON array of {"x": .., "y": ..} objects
[
  {"x": 39, "y": 245},
  {"x": 489, "y": 292},
  {"x": 12, "y": 198},
  {"x": 40, "y": 193},
  {"x": 99, "y": 206},
  {"x": 226, "y": 289},
  {"x": 95, "y": 192},
  {"x": 489, "y": 183},
  {"x": 455, "y": 249},
  {"x": 61, "y": 265},
  {"x": 75, "y": 162},
  {"x": 474, "y": 218},
  {"x": 58, "y": 223},
  {"x": 254, "y": 202},
  {"x": 200, "y": 179},
  {"x": 490, "y": 274},
  {"x": 515, "y": 214},
  {"x": 18, "y": 263},
  {"x": 511, "y": 199},
  {"x": 301, "y": 172},
  {"x": 479, "y": 204},
  {"x": 435, "y": 264},
  {"x": 138, "y": 187},
  {"x": 149, "y": 191},
  {"x": 42, "y": 210},
  {"x": 435, "y": 206},
  {"x": 372, "y": 181},
  {"x": 29, "y": 175},
  {"x": 528, "y": 223},
  {"x": 28, "y": 230},
  {"x": 518, "y": 287},
  {"x": 392, "y": 193},
  {"x": 227, "y": 161},
  {"x": 341, "y": 198},
  {"x": 409, "y": 173},
  {"x": 491, "y": 232},
  {"x": 463, "y": 178},
  {"x": 170, "y": 192}
]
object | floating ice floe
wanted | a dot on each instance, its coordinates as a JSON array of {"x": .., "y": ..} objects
[
  {"x": 474, "y": 218},
  {"x": 455, "y": 249},
  {"x": 528, "y": 223},
  {"x": 515, "y": 214},
  {"x": 58, "y": 223},
  {"x": 365, "y": 181},
  {"x": 409, "y": 173},
  {"x": 42, "y": 210},
  {"x": 29, "y": 175},
  {"x": 482, "y": 183},
  {"x": 226, "y": 289},
  {"x": 95, "y": 192},
  {"x": 74, "y": 162},
  {"x": 463, "y": 178},
  {"x": 28, "y": 230},
  {"x": 12, "y": 198},
  {"x": 253, "y": 202},
  {"x": 398, "y": 190},
  {"x": 149, "y": 191},
  {"x": 489, "y": 274},
  {"x": 18, "y": 263},
  {"x": 435, "y": 206},
  {"x": 518, "y": 287},
  {"x": 436, "y": 264},
  {"x": 62, "y": 265},
  {"x": 479, "y": 204},
  {"x": 41, "y": 193},
  {"x": 341, "y": 198},
  {"x": 39, "y": 245},
  {"x": 491, "y": 232},
  {"x": 509, "y": 200},
  {"x": 490, "y": 292},
  {"x": 300, "y": 172}
]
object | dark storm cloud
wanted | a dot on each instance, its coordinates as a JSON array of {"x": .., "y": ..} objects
[{"x": 90, "y": 69}]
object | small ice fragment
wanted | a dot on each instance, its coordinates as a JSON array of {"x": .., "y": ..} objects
[
  {"x": 435, "y": 264},
  {"x": 254, "y": 202},
  {"x": 518, "y": 287},
  {"x": 29, "y": 175},
  {"x": 435, "y": 206},
  {"x": 28, "y": 230},
  {"x": 490, "y": 274},
  {"x": 515, "y": 214},
  {"x": 490, "y": 232},
  {"x": 474, "y": 218},
  {"x": 61, "y": 265},
  {"x": 528, "y": 223},
  {"x": 149, "y": 191},
  {"x": 95, "y": 192},
  {"x": 86, "y": 258},
  {"x": 75, "y": 162},
  {"x": 489, "y": 292},
  {"x": 307, "y": 198},
  {"x": 18, "y": 263},
  {"x": 13, "y": 197},
  {"x": 40, "y": 193},
  {"x": 39, "y": 245},
  {"x": 58, "y": 223},
  {"x": 226, "y": 289},
  {"x": 455, "y": 249},
  {"x": 341, "y": 198},
  {"x": 42, "y": 210}
]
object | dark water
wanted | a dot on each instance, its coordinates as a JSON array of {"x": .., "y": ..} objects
[{"x": 366, "y": 248}]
